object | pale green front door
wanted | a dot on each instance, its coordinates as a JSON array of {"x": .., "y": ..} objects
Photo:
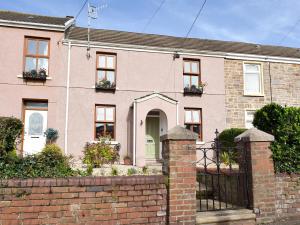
[{"x": 152, "y": 137}]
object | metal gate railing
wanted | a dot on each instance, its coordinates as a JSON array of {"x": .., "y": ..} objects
[{"x": 222, "y": 177}]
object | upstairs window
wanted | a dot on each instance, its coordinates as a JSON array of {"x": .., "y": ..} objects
[
  {"x": 253, "y": 84},
  {"x": 105, "y": 121},
  {"x": 36, "y": 56},
  {"x": 191, "y": 73},
  {"x": 193, "y": 121},
  {"x": 106, "y": 70}
]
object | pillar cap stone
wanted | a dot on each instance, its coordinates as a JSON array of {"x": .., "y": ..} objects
[
  {"x": 254, "y": 135},
  {"x": 179, "y": 133}
]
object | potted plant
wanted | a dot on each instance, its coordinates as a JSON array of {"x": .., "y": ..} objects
[
  {"x": 195, "y": 90},
  {"x": 105, "y": 85},
  {"x": 127, "y": 160},
  {"x": 35, "y": 75},
  {"x": 51, "y": 135}
]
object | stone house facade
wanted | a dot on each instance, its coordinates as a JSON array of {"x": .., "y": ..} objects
[{"x": 280, "y": 84}]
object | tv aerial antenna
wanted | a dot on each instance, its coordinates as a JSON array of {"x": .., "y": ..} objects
[{"x": 92, "y": 15}]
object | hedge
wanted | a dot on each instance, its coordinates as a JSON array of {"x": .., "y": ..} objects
[
  {"x": 10, "y": 130},
  {"x": 284, "y": 124}
]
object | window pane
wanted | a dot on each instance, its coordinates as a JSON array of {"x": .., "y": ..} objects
[
  {"x": 30, "y": 64},
  {"x": 43, "y": 64},
  {"x": 43, "y": 47},
  {"x": 252, "y": 68},
  {"x": 187, "y": 68},
  {"x": 110, "y": 127},
  {"x": 195, "y": 80},
  {"x": 101, "y": 75},
  {"x": 100, "y": 114},
  {"x": 35, "y": 124},
  {"x": 252, "y": 83},
  {"x": 186, "y": 81},
  {"x": 187, "y": 126},
  {"x": 195, "y": 67},
  {"x": 110, "y": 62},
  {"x": 110, "y": 75},
  {"x": 188, "y": 116},
  {"x": 99, "y": 130},
  {"x": 31, "y": 105},
  {"x": 196, "y": 129},
  {"x": 109, "y": 114},
  {"x": 102, "y": 61},
  {"x": 196, "y": 116},
  {"x": 31, "y": 47}
]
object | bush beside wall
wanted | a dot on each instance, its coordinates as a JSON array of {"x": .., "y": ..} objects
[
  {"x": 90, "y": 200},
  {"x": 10, "y": 130},
  {"x": 284, "y": 124}
]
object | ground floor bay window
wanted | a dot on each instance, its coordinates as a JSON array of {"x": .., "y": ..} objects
[
  {"x": 193, "y": 121},
  {"x": 105, "y": 121}
]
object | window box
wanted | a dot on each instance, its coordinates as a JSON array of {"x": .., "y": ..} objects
[
  {"x": 193, "y": 90},
  {"x": 34, "y": 75},
  {"x": 105, "y": 85}
]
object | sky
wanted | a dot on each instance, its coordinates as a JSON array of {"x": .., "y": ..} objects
[{"x": 272, "y": 22}]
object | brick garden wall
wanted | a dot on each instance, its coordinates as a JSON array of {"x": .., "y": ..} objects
[
  {"x": 93, "y": 200},
  {"x": 288, "y": 195}
]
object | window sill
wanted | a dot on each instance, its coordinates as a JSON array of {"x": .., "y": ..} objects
[
  {"x": 254, "y": 95},
  {"x": 21, "y": 77},
  {"x": 200, "y": 142},
  {"x": 109, "y": 142}
]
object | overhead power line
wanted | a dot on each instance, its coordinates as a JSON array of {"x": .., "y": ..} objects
[
  {"x": 153, "y": 15},
  {"x": 198, "y": 14},
  {"x": 82, "y": 7},
  {"x": 289, "y": 32}
]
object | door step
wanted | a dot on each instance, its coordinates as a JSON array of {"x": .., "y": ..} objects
[{"x": 226, "y": 217}]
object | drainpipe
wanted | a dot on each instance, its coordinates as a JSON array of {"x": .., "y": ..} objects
[
  {"x": 177, "y": 114},
  {"x": 67, "y": 98},
  {"x": 134, "y": 133}
]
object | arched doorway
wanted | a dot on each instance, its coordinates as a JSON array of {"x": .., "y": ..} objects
[{"x": 156, "y": 125}]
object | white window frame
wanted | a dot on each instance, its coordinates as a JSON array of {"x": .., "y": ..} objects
[
  {"x": 246, "y": 115},
  {"x": 261, "y": 84}
]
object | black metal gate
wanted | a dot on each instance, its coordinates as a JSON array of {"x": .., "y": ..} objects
[{"x": 222, "y": 177}]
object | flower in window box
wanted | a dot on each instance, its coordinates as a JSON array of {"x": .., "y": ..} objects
[
  {"x": 105, "y": 84},
  {"x": 34, "y": 75},
  {"x": 193, "y": 89}
]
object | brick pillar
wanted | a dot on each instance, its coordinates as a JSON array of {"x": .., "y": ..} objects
[
  {"x": 260, "y": 169},
  {"x": 179, "y": 157}
]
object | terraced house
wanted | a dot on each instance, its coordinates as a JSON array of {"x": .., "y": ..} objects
[{"x": 133, "y": 87}]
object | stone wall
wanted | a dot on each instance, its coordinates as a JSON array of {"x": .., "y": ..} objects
[
  {"x": 93, "y": 200},
  {"x": 281, "y": 81},
  {"x": 288, "y": 196}
]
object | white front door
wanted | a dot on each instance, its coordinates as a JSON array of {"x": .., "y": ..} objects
[{"x": 34, "y": 128}]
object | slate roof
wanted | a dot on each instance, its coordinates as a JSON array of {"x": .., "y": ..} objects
[
  {"x": 31, "y": 18},
  {"x": 163, "y": 41}
]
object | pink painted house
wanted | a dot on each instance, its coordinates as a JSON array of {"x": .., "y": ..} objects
[{"x": 126, "y": 86}]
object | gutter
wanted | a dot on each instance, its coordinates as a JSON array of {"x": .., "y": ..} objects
[
  {"x": 225, "y": 55},
  {"x": 134, "y": 133},
  {"x": 67, "y": 99}
]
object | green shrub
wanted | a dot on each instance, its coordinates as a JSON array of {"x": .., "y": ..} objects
[
  {"x": 49, "y": 163},
  {"x": 226, "y": 137},
  {"x": 228, "y": 146},
  {"x": 10, "y": 130},
  {"x": 51, "y": 135},
  {"x": 284, "y": 124},
  {"x": 114, "y": 171},
  {"x": 269, "y": 118},
  {"x": 131, "y": 171},
  {"x": 97, "y": 154}
]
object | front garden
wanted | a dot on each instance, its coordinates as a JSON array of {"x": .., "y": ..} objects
[{"x": 99, "y": 158}]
